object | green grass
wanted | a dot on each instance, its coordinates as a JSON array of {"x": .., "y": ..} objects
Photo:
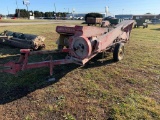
[{"x": 125, "y": 90}]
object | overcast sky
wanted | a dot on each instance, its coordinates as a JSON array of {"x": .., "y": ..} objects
[{"x": 84, "y": 6}]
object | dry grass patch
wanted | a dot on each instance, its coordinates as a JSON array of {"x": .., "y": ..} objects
[{"x": 128, "y": 89}]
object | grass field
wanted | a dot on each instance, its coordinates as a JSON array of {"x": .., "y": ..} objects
[
  {"x": 125, "y": 90},
  {"x": 21, "y": 20}
]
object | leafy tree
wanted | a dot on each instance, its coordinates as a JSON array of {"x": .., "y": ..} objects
[
  {"x": 38, "y": 14},
  {"x": 48, "y": 14},
  {"x": 63, "y": 14},
  {"x": 22, "y": 13}
]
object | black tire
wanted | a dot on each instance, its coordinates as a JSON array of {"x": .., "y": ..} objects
[
  {"x": 118, "y": 52},
  {"x": 60, "y": 47}
]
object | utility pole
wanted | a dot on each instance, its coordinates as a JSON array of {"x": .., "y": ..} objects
[
  {"x": 55, "y": 7},
  {"x": 55, "y": 11},
  {"x": 73, "y": 10},
  {"x": 8, "y": 11},
  {"x": 18, "y": 9},
  {"x": 26, "y": 2}
]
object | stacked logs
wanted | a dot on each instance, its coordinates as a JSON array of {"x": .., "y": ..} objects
[{"x": 21, "y": 40}]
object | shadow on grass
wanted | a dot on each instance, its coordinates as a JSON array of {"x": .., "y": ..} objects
[
  {"x": 157, "y": 29},
  {"x": 15, "y": 87},
  {"x": 97, "y": 61}
]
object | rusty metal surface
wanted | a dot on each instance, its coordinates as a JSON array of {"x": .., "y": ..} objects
[
  {"x": 65, "y": 29},
  {"x": 89, "y": 31},
  {"x": 64, "y": 33},
  {"x": 86, "y": 47},
  {"x": 91, "y": 20}
]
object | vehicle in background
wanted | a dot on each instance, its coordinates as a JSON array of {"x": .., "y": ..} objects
[
  {"x": 140, "y": 22},
  {"x": 79, "y": 18},
  {"x": 155, "y": 20},
  {"x": 113, "y": 21}
]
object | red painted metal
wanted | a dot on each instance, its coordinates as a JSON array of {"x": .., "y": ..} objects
[
  {"x": 22, "y": 64},
  {"x": 76, "y": 47},
  {"x": 89, "y": 31},
  {"x": 85, "y": 43},
  {"x": 65, "y": 29},
  {"x": 92, "y": 21},
  {"x": 101, "y": 41}
]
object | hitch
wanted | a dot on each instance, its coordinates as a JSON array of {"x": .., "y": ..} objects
[
  {"x": 22, "y": 64},
  {"x": 10, "y": 67}
]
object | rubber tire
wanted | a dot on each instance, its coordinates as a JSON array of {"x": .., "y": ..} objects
[
  {"x": 118, "y": 52},
  {"x": 60, "y": 47}
]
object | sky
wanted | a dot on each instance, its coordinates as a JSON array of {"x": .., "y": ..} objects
[{"x": 84, "y": 6}]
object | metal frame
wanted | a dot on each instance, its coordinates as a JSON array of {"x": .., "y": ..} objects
[{"x": 106, "y": 40}]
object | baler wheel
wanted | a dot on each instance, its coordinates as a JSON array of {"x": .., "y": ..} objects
[
  {"x": 60, "y": 47},
  {"x": 135, "y": 26},
  {"x": 118, "y": 52}
]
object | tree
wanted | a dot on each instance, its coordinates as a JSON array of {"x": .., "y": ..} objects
[
  {"x": 23, "y": 13},
  {"x": 48, "y": 14},
  {"x": 38, "y": 14}
]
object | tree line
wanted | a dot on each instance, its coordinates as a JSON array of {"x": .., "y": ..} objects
[{"x": 23, "y": 13}]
